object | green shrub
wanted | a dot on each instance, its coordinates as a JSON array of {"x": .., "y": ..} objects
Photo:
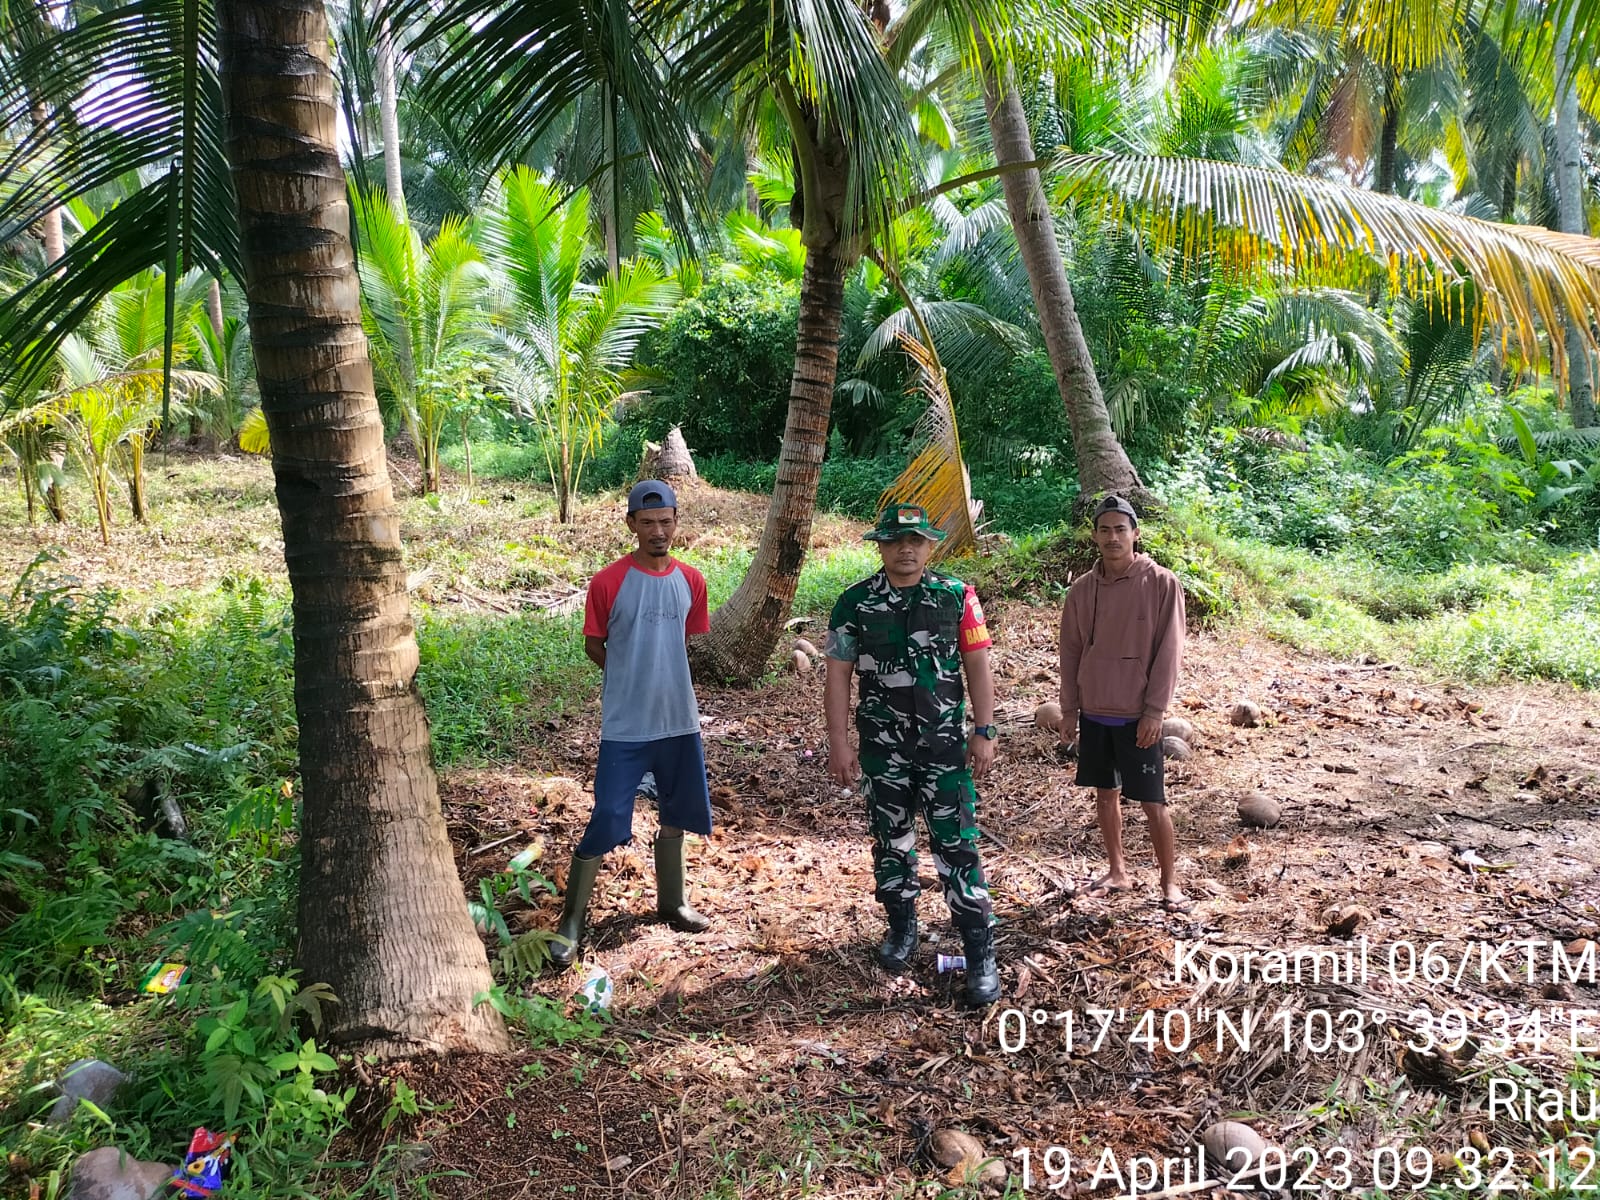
[
  {"x": 1424, "y": 511},
  {"x": 1541, "y": 628},
  {"x": 725, "y": 361}
]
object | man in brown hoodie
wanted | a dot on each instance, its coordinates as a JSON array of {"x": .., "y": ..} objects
[{"x": 1121, "y": 648}]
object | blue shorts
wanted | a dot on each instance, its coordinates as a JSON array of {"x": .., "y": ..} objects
[{"x": 679, "y": 765}]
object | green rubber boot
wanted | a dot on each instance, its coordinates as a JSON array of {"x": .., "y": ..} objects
[
  {"x": 574, "y": 909},
  {"x": 671, "y": 904}
]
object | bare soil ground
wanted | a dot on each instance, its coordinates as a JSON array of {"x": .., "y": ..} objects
[{"x": 770, "y": 1057}]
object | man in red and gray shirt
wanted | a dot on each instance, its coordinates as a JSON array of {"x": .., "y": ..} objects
[
  {"x": 1121, "y": 648},
  {"x": 638, "y": 617}
]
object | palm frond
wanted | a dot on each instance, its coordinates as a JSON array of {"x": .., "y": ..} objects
[
  {"x": 1568, "y": 441},
  {"x": 254, "y": 437},
  {"x": 1524, "y": 279},
  {"x": 762, "y": 248},
  {"x": 1397, "y": 34},
  {"x": 964, "y": 329},
  {"x": 132, "y": 88},
  {"x": 829, "y": 56},
  {"x": 937, "y": 476},
  {"x": 517, "y": 67}
]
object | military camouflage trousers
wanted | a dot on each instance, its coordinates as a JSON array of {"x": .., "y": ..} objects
[{"x": 897, "y": 789}]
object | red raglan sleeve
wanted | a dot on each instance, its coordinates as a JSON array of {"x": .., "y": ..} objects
[
  {"x": 699, "y": 620},
  {"x": 602, "y": 594}
]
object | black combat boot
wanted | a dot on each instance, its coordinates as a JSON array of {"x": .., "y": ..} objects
[
  {"x": 574, "y": 909},
  {"x": 900, "y": 945},
  {"x": 983, "y": 975}
]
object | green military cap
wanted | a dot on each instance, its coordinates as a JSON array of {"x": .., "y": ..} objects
[{"x": 897, "y": 520}]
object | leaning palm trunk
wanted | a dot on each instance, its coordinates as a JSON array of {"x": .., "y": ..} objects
[
  {"x": 1570, "y": 217},
  {"x": 1103, "y": 465},
  {"x": 382, "y": 917},
  {"x": 748, "y": 626}
]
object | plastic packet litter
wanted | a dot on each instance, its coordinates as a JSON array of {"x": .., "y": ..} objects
[
  {"x": 951, "y": 962},
  {"x": 597, "y": 990},
  {"x": 205, "y": 1166},
  {"x": 163, "y": 978}
]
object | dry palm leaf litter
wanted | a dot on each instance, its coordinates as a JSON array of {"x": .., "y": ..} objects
[{"x": 1431, "y": 825}]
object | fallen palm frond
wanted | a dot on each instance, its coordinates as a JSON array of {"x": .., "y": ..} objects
[{"x": 937, "y": 478}]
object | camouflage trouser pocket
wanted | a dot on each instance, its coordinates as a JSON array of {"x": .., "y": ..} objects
[{"x": 947, "y": 800}]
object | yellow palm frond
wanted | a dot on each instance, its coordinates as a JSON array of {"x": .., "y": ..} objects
[
  {"x": 1517, "y": 279},
  {"x": 937, "y": 478},
  {"x": 1402, "y": 35},
  {"x": 253, "y": 436}
]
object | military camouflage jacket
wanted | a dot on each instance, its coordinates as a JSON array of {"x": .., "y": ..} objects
[{"x": 906, "y": 645}]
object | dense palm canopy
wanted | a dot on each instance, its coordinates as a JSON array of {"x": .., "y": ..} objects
[{"x": 849, "y": 125}]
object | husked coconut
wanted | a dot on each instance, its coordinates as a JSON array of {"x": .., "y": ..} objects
[
  {"x": 1177, "y": 727},
  {"x": 1246, "y": 714},
  {"x": 950, "y": 1146},
  {"x": 805, "y": 647},
  {"x": 1048, "y": 716},
  {"x": 962, "y": 1153},
  {"x": 1233, "y": 1148},
  {"x": 1260, "y": 810},
  {"x": 1175, "y": 747},
  {"x": 800, "y": 662},
  {"x": 1344, "y": 919}
]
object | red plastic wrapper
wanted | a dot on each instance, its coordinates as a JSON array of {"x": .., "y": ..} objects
[{"x": 205, "y": 1166}]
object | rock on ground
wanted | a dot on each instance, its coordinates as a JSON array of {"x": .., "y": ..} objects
[
  {"x": 109, "y": 1174},
  {"x": 87, "y": 1079}
]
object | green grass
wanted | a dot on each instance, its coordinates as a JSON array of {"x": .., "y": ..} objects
[
  {"x": 1539, "y": 627},
  {"x": 497, "y": 460},
  {"x": 491, "y": 682}
]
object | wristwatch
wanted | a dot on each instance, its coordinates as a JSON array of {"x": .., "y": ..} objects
[{"x": 988, "y": 731}]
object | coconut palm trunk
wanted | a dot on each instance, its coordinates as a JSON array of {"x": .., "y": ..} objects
[
  {"x": 382, "y": 916},
  {"x": 1103, "y": 465},
  {"x": 747, "y": 627},
  {"x": 389, "y": 119},
  {"x": 1570, "y": 217},
  {"x": 55, "y": 240},
  {"x": 55, "y": 245}
]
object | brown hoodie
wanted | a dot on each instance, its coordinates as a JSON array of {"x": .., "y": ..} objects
[{"x": 1122, "y": 641}]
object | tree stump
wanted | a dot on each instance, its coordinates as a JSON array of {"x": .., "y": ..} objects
[{"x": 668, "y": 460}]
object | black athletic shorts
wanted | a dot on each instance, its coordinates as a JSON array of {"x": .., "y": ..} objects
[{"x": 1109, "y": 756}]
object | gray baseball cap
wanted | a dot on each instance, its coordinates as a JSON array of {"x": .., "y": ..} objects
[
  {"x": 1115, "y": 504},
  {"x": 651, "y": 493}
]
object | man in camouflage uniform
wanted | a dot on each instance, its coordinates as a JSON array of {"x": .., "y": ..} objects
[{"x": 909, "y": 632}]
